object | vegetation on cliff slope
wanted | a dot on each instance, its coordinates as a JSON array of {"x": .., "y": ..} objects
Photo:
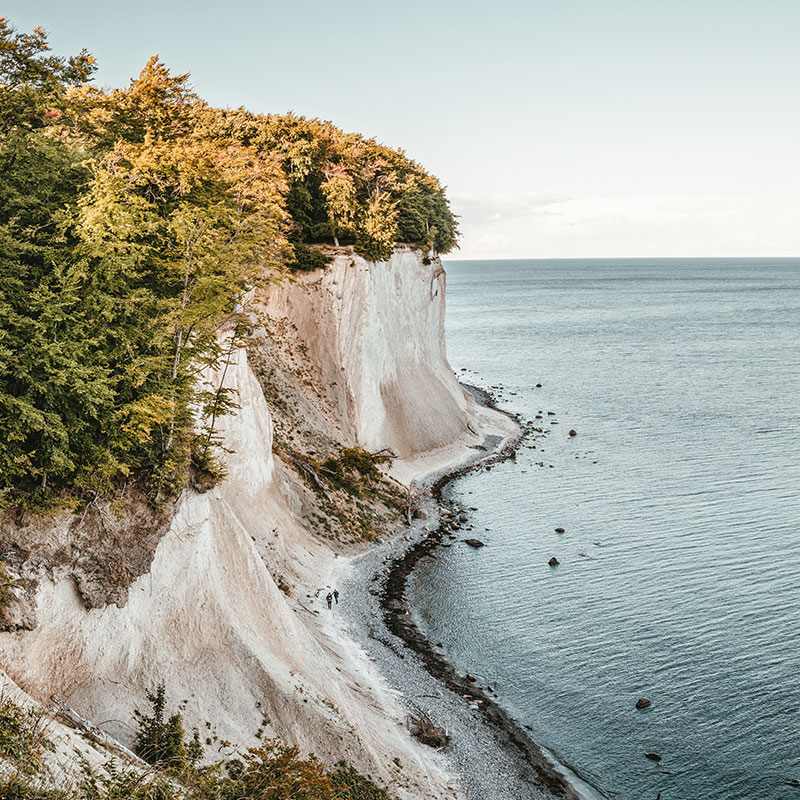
[
  {"x": 132, "y": 222},
  {"x": 271, "y": 771}
]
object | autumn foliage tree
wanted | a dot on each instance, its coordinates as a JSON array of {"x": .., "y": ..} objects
[{"x": 132, "y": 224}]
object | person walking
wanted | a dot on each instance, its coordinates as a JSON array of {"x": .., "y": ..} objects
[
  {"x": 336, "y": 596},
  {"x": 329, "y": 598}
]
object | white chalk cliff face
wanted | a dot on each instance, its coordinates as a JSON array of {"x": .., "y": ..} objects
[
  {"x": 375, "y": 333},
  {"x": 209, "y": 619}
]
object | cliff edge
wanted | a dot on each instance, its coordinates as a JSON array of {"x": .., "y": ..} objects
[{"x": 230, "y": 613}]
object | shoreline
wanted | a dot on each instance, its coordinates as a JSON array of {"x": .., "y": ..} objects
[
  {"x": 491, "y": 753},
  {"x": 399, "y": 620}
]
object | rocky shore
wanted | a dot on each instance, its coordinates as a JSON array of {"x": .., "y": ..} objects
[{"x": 493, "y": 757}]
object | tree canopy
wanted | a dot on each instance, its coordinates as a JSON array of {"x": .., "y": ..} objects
[{"x": 132, "y": 221}]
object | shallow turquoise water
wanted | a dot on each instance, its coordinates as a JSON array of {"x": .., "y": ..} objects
[{"x": 680, "y": 496}]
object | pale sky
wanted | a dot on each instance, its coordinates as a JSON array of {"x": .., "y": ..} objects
[{"x": 568, "y": 128}]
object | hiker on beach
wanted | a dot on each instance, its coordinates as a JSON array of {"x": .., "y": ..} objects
[
  {"x": 336, "y": 596},
  {"x": 329, "y": 598}
]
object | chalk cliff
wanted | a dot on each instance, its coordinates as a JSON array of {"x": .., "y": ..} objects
[
  {"x": 375, "y": 333},
  {"x": 229, "y": 614}
]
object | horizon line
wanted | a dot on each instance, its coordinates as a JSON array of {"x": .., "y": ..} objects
[{"x": 621, "y": 258}]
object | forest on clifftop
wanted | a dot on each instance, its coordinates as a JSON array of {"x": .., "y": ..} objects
[{"x": 131, "y": 223}]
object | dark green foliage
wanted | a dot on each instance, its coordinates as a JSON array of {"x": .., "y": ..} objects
[
  {"x": 161, "y": 741},
  {"x": 7, "y": 583},
  {"x": 353, "y": 467},
  {"x": 50, "y": 385},
  {"x": 307, "y": 259}
]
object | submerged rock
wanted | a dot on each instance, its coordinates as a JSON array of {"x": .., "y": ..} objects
[
  {"x": 643, "y": 702},
  {"x": 653, "y": 756},
  {"x": 474, "y": 542}
]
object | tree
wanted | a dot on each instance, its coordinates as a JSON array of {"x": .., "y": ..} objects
[
  {"x": 186, "y": 223},
  {"x": 376, "y": 232},
  {"x": 160, "y": 740},
  {"x": 50, "y": 386},
  {"x": 33, "y": 84},
  {"x": 340, "y": 199},
  {"x": 132, "y": 222}
]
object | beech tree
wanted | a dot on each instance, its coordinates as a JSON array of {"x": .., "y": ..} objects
[
  {"x": 132, "y": 224},
  {"x": 340, "y": 199},
  {"x": 191, "y": 223}
]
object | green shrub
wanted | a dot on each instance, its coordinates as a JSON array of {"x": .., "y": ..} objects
[
  {"x": 19, "y": 787},
  {"x": 161, "y": 741},
  {"x": 7, "y": 583},
  {"x": 350, "y": 784},
  {"x": 22, "y": 736},
  {"x": 127, "y": 784},
  {"x": 354, "y": 466}
]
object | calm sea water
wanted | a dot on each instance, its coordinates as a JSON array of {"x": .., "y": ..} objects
[{"x": 679, "y": 575}]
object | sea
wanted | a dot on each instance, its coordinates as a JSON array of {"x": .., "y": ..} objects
[{"x": 679, "y": 567}]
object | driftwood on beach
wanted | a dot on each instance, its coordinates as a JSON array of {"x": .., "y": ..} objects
[{"x": 422, "y": 727}]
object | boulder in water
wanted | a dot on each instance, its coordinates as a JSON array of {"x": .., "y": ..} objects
[
  {"x": 653, "y": 756},
  {"x": 474, "y": 542},
  {"x": 560, "y": 530},
  {"x": 573, "y": 433},
  {"x": 553, "y": 562},
  {"x": 643, "y": 702}
]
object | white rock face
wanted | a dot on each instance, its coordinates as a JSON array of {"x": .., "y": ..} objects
[
  {"x": 376, "y": 335},
  {"x": 209, "y": 619}
]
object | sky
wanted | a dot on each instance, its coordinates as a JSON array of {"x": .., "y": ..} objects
[{"x": 566, "y": 128}]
